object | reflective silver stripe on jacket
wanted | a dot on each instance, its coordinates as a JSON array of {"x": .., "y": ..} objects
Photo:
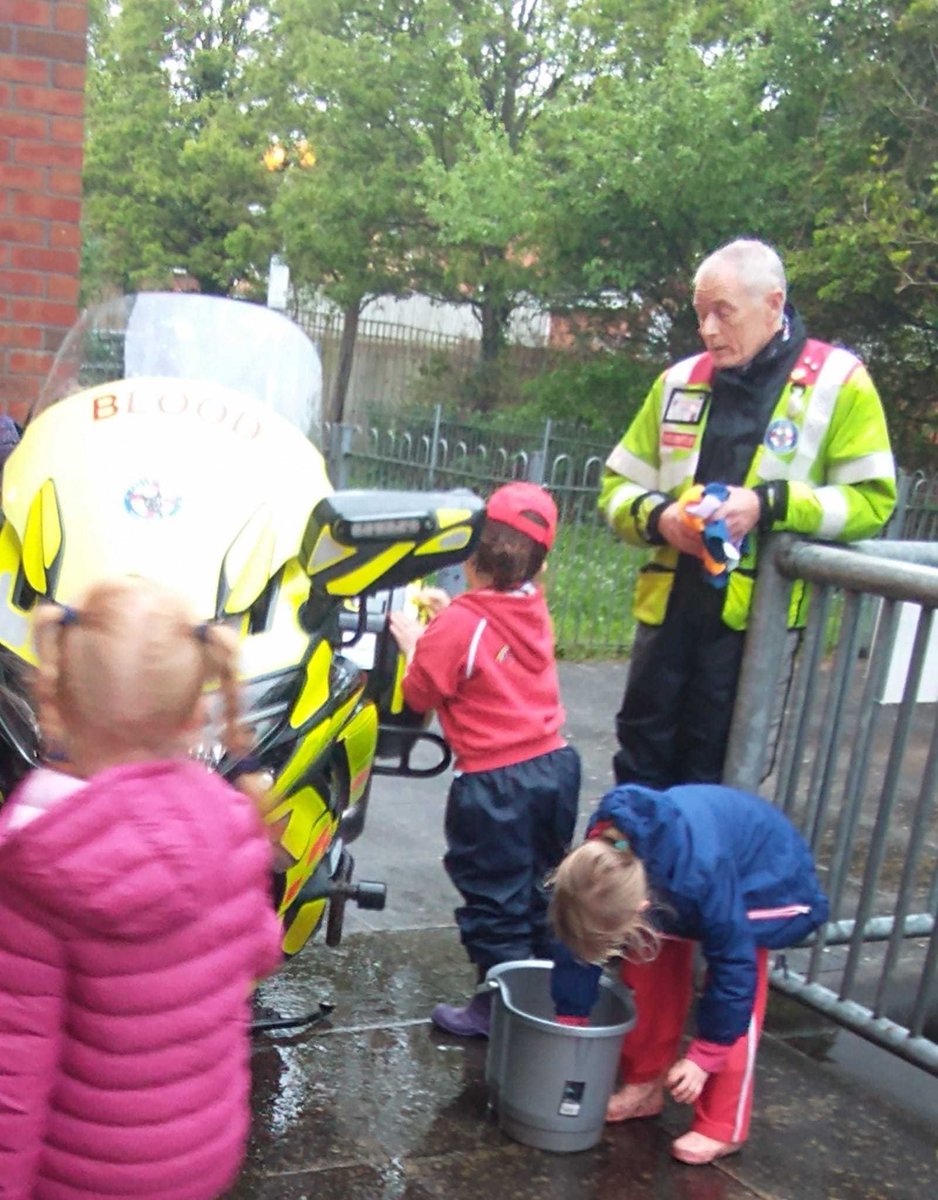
[
  {"x": 630, "y": 466},
  {"x": 823, "y": 397},
  {"x": 880, "y": 465},
  {"x": 834, "y": 511},
  {"x": 621, "y": 498}
]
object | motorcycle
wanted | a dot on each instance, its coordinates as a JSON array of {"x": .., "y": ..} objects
[{"x": 172, "y": 440}]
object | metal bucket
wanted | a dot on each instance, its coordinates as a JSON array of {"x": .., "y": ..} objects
[{"x": 549, "y": 1084}]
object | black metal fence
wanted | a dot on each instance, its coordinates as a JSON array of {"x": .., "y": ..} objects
[{"x": 590, "y": 573}]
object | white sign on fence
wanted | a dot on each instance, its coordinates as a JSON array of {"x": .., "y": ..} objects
[{"x": 902, "y": 655}]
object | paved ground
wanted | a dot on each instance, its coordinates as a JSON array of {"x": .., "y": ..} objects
[{"x": 374, "y": 1104}]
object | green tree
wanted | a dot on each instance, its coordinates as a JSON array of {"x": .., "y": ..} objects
[
  {"x": 422, "y": 114},
  {"x": 171, "y": 161},
  {"x": 810, "y": 125},
  {"x": 865, "y": 271}
]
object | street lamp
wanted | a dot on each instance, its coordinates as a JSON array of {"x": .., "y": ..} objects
[{"x": 279, "y": 155}]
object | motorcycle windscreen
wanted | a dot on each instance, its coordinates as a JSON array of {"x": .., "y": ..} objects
[{"x": 192, "y": 484}]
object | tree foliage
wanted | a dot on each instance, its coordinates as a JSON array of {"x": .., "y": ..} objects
[
  {"x": 171, "y": 163},
  {"x": 486, "y": 150}
]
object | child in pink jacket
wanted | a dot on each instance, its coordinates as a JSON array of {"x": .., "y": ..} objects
[{"x": 135, "y": 916}]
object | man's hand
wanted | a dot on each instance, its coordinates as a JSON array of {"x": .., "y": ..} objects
[
  {"x": 686, "y": 1080},
  {"x": 675, "y": 530},
  {"x": 740, "y": 512},
  {"x": 406, "y": 631}
]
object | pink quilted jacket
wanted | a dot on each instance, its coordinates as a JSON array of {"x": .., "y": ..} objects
[{"x": 134, "y": 919}]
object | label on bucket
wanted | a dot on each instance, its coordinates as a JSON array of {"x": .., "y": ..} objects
[{"x": 572, "y": 1098}]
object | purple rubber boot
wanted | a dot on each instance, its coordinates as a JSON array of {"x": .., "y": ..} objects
[{"x": 471, "y": 1021}]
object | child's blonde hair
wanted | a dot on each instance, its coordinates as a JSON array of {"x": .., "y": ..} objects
[
  {"x": 125, "y": 669},
  {"x": 599, "y": 903}
]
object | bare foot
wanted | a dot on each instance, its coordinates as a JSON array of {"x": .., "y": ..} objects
[
  {"x": 698, "y": 1149},
  {"x": 636, "y": 1100}
]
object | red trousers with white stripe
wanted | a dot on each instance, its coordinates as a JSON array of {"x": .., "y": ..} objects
[{"x": 663, "y": 991}]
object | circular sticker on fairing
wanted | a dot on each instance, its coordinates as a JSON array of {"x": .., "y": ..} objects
[
  {"x": 781, "y": 436},
  {"x": 149, "y": 501}
]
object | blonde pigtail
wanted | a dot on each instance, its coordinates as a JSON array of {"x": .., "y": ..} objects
[
  {"x": 221, "y": 649},
  {"x": 49, "y": 626}
]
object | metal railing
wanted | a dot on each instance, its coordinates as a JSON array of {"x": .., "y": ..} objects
[
  {"x": 857, "y": 774},
  {"x": 591, "y": 575}
]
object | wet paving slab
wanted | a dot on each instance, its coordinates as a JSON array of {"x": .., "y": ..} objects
[{"x": 372, "y": 1103}]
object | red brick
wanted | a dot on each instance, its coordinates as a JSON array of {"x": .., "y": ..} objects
[
  {"x": 21, "y": 178},
  {"x": 28, "y": 337},
  {"x": 29, "y": 12},
  {"x": 58, "y": 47},
  {"x": 6, "y": 38},
  {"x": 24, "y": 232},
  {"x": 45, "y": 154},
  {"x": 66, "y": 75},
  {"x": 52, "y": 208},
  {"x": 50, "y": 100},
  {"x": 53, "y": 338},
  {"x": 73, "y": 17},
  {"x": 6, "y": 147},
  {"x": 68, "y": 131},
  {"x": 21, "y": 283},
  {"x": 65, "y": 235},
  {"x": 18, "y": 392},
  {"x": 34, "y": 258},
  {"x": 19, "y": 410},
  {"x": 16, "y": 126},
  {"x": 24, "y": 70},
  {"x": 29, "y": 362},
  {"x": 63, "y": 287},
  {"x": 42, "y": 312},
  {"x": 64, "y": 183}
]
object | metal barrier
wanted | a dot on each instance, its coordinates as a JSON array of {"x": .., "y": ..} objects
[{"x": 857, "y": 774}]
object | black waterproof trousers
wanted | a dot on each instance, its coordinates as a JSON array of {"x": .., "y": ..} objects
[
  {"x": 506, "y": 830},
  {"x": 675, "y": 717}
]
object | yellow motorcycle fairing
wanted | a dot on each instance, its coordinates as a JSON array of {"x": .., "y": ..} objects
[
  {"x": 351, "y": 546},
  {"x": 315, "y": 814},
  {"x": 192, "y": 484}
]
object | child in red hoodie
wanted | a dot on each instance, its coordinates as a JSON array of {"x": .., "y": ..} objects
[{"x": 485, "y": 663}]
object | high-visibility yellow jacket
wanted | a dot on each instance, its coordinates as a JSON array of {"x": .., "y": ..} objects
[{"x": 825, "y": 462}]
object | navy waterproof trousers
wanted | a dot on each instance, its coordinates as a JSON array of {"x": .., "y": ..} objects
[{"x": 506, "y": 830}]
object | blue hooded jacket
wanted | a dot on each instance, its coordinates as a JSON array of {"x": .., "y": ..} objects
[{"x": 725, "y": 868}]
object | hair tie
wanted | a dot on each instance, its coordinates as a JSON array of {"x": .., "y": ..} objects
[
  {"x": 201, "y": 632},
  {"x": 69, "y": 615}
]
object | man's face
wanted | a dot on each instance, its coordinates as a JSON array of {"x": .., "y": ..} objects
[{"x": 734, "y": 323}]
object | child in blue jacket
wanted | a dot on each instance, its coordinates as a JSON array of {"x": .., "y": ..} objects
[{"x": 661, "y": 871}]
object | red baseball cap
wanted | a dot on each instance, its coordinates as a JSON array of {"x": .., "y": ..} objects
[{"x": 515, "y": 504}]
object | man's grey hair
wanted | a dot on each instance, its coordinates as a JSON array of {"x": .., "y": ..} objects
[{"x": 756, "y": 265}]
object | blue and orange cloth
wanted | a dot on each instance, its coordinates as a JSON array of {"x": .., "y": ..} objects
[{"x": 721, "y": 554}]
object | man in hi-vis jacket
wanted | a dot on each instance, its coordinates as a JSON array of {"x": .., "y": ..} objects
[{"x": 795, "y": 428}]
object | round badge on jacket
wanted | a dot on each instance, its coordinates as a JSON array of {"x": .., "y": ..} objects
[{"x": 781, "y": 436}]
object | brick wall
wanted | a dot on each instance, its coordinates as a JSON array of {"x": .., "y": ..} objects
[{"x": 42, "y": 78}]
